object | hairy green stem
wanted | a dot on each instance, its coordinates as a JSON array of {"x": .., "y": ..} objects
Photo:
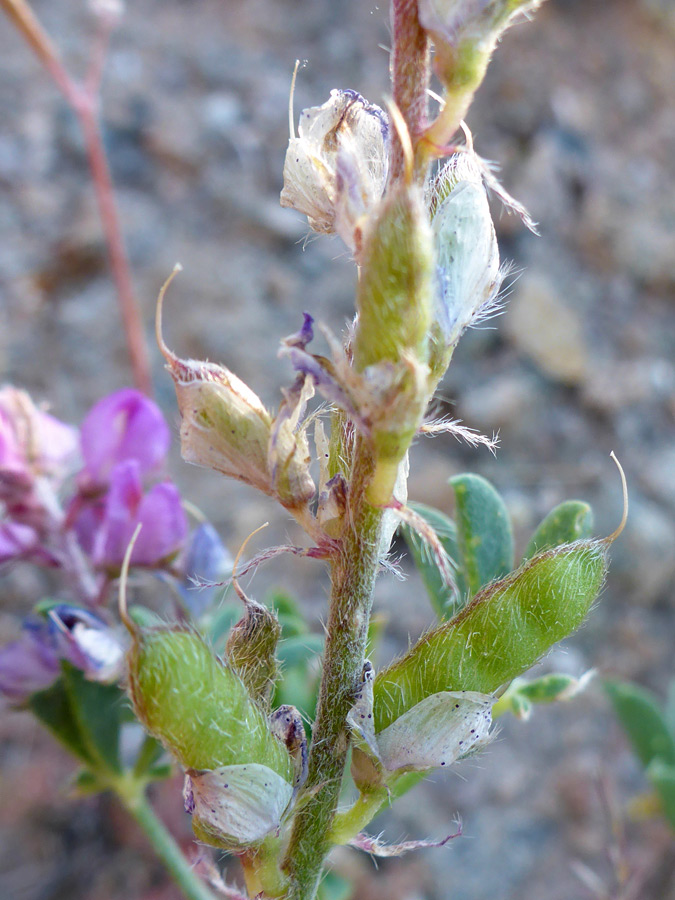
[
  {"x": 165, "y": 846},
  {"x": 353, "y": 576}
]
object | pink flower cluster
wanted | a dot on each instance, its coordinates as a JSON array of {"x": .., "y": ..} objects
[{"x": 115, "y": 470}]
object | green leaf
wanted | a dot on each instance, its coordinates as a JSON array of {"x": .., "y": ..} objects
[
  {"x": 662, "y": 777},
  {"x": 97, "y": 708},
  {"x": 570, "y": 521},
  {"x": 484, "y": 533},
  {"x": 334, "y": 887},
  {"x": 148, "y": 756},
  {"x": 87, "y": 782},
  {"x": 53, "y": 708},
  {"x": 290, "y": 615},
  {"x": 443, "y": 598},
  {"x": 669, "y": 712},
  {"x": 643, "y": 721},
  {"x": 299, "y": 650}
]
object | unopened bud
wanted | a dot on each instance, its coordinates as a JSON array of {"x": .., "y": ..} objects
[
  {"x": 395, "y": 301},
  {"x": 251, "y": 650},
  {"x": 226, "y": 427},
  {"x": 464, "y": 36},
  {"x": 467, "y": 255}
]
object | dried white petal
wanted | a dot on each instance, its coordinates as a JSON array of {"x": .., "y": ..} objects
[
  {"x": 336, "y": 169},
  {"x": 437, "y": 731},
  {"x": 242, "y": 803}
]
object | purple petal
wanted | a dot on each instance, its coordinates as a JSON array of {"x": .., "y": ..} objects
[
  {"x": 123, "y": 426},
  {"x": 88, "y": 642},
  {"x": 206, "y": 561},
  {"x": 119, "y": 514},
  {"x": 160, "y": 512},
  {"x": 304, "y": 336},
  {"x": 59, "y": 446},
  {"x": 29, "y": 664},
  {"x": 16, "y": 541},
  {"x": 164, "y": 525}
]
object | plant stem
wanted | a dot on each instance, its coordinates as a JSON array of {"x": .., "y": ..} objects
[
  {"x": 166, "y": 847},
  {"x": 83, "y": 99},
  {"x": 410, "y": 59},
  {"x": 353, "y": 577},
  {"x": 117, "y": 254}
]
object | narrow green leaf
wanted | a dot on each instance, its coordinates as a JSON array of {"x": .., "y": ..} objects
[
  {"x": 643, "y": 721},
  {"x": 484, "y": 533},
  {"x": 290, "y": 615},
  {"x": 87, "y": 782},
  {"x": 159, "y": 773},
  {"x": 299, "y": 650},
  {"x": 662, "y": 777},
  {"x": 97, "y": 709},
  {"x": 148, "y": 756},
  {"x": 52, "y": 707},
  {"x": 570, "y": 521},
  {"x": 334, "y": 887},
  {"x": 669, "y": 712},
  {"x": 443, "y": 599}
]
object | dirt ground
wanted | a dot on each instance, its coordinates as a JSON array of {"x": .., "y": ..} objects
[{"x": 578, "y": 110}]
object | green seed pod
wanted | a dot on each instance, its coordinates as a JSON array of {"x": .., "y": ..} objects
[
  {"x": 197, "y": 706},
  {"x": 251, "y": 651},
  {"x": 501, "y": 633}
]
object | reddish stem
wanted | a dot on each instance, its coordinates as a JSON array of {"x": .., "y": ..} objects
[
  {"x": 117, "y": 254},
  {"x": 410, "y": 72},
  {"x": 83, "y": 100}
]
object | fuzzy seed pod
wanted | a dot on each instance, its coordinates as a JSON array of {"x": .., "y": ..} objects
[
  {"x": 197, "y": 706},
  {"x": 239, "y": 776},
  {"x": 499, "y": 634}
]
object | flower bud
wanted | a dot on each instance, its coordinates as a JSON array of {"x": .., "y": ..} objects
[
  {"x": 251, "y": 650},
  {"x": 336, "y": 169},
  {"x": 395, "y": 300},
  {"x": 464, "y": 34},
  {"x": 467, "y": 255}
]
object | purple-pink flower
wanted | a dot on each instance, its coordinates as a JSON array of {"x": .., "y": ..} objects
[
  {"x": 33, "y": 444},
  {"x": 159, "y": 511},
  {"x": 124, "y": 426}
]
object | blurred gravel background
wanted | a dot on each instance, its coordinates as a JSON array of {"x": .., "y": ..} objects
[{"x": 578, "y": 110}]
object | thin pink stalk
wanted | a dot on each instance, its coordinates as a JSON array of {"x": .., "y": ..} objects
[{"x": 83, "y": 98}]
